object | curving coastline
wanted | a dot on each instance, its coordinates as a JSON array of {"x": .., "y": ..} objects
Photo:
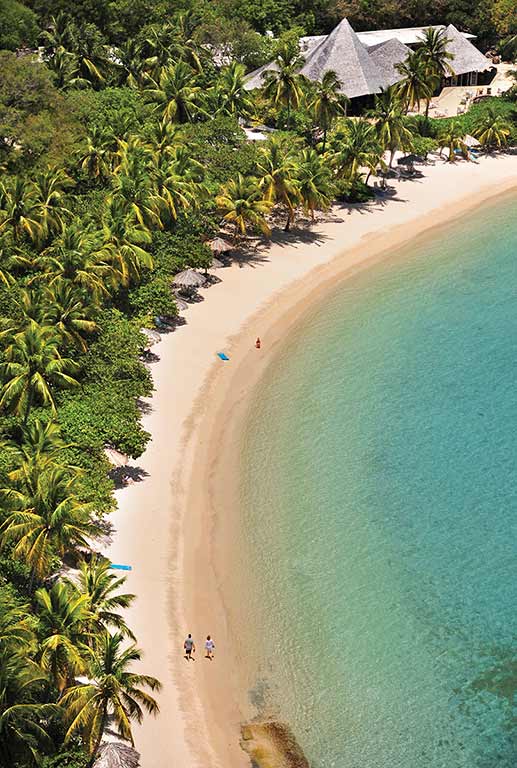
[{"x": 189, "y": 498}]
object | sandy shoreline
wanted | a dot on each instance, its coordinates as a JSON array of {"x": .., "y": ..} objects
[{"x": 175, "y": 527}]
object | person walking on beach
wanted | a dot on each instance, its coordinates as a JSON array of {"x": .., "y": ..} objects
[
  {"x": 258, "y": 343},
  {"x": 209, "y": 647},
  {"x": 189, "y": 647}
]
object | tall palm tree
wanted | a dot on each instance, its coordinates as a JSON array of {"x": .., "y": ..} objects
[
  {"x": 359, "y": 149},
  {"x": 39, "y": 445},
  {"x": 46, "y": 519},
  {"x": 65, "y": 67},
  {"x": 132, "y": 188},
  {"x": 18, "y": 209},
  {"x": 452, "y": 136},
  {"x": 99, "y": 583},
  {"x": 393, "y": 132},
  {"x": 33, "y": 369},
  {"x": 63, "y": 617},
  {"x": 277, "y": 176},
  {"x": 437, "y": 59},
  {"x": 69, "y": 313},
  {"x": 96, "y": 159},
  {"x": 131, "y": 63},
  {"x": 173, "y": 191},
  {"x": 114, "y": 693},
  {"x": 315, "y": 182},
  {"x": 242, "y": 204},
  {"x": 124, "y": 239},
  {"x": 492, "y": 130},
  {"x": 284, "y": 85},
  {"x": 328, "y": 102},
  {"x": 177, "y": 94},
  {"x": 24, "y": 734},
  {"x": 230, "y": 95},
  {"x": 49, "y": 194},
  {"x": 416, "y": 85},
  {"x": 76, "y": 256}
]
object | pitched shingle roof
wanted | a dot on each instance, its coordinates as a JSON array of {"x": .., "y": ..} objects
[
  {"x": 343, "y": 52},
  {"x": 467, "y": 58},
  {"x": 386, "y": 56}
]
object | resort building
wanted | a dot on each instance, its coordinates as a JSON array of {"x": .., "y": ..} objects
[{"x": 365, "y": 62}]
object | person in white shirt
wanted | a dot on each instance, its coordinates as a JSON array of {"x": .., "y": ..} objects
[{"x": 209, "y": 647}]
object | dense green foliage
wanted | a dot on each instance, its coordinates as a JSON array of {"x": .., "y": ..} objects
[{"x": 122, "y": 155}]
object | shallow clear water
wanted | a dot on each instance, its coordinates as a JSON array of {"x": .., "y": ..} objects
[{"x": 379, "y": 504}]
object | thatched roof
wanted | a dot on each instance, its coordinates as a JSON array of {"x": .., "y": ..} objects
[
  {"x": 386, "y": 56},
  {"x": 153, "y": 337},
  {"x": 467, "y": 58},
  {"x": 219, "y": 245},
  {"x": 117, "y": 755},
  {"x": 115, "y": 457},
  {"x": 189, "y": 278},
  {"x": 216, "y": 264},
  {"x": 256, "y": 78},
  {"x": 343, "y": 52}
]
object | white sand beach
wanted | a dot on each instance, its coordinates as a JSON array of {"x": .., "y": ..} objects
[{"x": 169, "y": 526}]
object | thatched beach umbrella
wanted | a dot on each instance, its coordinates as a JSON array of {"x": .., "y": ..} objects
[
  {"x": 470, "y": 141},
  {"x": 410, "y": 160},
  {"x": 216, "y": 264},
  {"x": 189, "y": 278},
  {"x": 116, "y": 755},
  {"x": 153, "y": 337},
  {"x": 219, "y": 245},
  {"x": 116, "y": 458}
]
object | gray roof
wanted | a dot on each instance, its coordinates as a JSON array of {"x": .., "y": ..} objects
[
  {"x": 467, "y": 58},
  {"x": 255, "y": 79},
  {"x": 386, "y": 56},
  {"x": 343, "y": 52}
]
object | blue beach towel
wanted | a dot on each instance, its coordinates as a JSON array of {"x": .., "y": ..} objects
[
  {"x": 222, "y": 356},
  {"x": 121, "y": 567}
]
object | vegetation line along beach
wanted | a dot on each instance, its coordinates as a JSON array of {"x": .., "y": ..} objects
[{"x": 176, "y": 180}]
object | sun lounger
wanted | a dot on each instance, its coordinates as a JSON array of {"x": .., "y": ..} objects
[
  {"x": 222, "y": 356},
  {"x": 121, "y": 567}
]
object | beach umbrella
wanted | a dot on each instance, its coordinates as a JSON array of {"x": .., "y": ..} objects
[
  {"x": 218, "y": 245},
  {"x": 116, "y": 458},
  {"x": 116, "y": 755},
  {"x": 189, "y": 278},
  {"x": 216, "y": 264},
  {"x": 153, "y": 337},
  {"x": 180, "y": 303},
  {"x": 470, "y": 141}
]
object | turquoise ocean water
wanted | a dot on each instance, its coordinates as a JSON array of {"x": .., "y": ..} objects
[{"x": 379, "y": 511}]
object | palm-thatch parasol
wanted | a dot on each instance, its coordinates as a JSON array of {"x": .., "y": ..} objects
[
  {"x": 410, "y": 160},
  {"x": 117, "y": 458},
  {"x": 216, "y": 264},
  {"x": 218, "y": 245},
  {"x": 470, "y": 141},
  {"x": 153, "y": 337},
  {"x": 116, "y": 755},
  {"x": 180, "y": 303},
  {"x": 189, "y": 278}
]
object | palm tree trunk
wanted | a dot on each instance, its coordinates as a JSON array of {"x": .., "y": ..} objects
[
  {"x": 427, "y": 104},
  {"x": 29, "y": 406},
  {"x": 99, "y": 737},
  {"x": 288, "y": 110},
  {"x": 324, "y": 139},
  {"x": 288, "y": 222}
]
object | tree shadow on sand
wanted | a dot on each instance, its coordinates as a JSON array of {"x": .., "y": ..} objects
[{"x": 124, "y": 476}]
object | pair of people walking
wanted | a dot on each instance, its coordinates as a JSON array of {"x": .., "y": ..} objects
[{"x": 190, "y": 648}]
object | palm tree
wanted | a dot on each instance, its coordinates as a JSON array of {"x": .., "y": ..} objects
[
  {"x": 315, "y": 182},
  {"x": 277, "y": 176},
  {"x": 416, "y": 84},
  {"x": 99, "y": 583},
  {"x": 130, "y": 61},
  {"x": 176, "y": 94},
  {"x": 49, "y": 204},
  {"x": 123, "y": 241},
  {"x": 230, "y": 95},
  {"x": 96, "y": 159},
  {"x": 393, "y": 132},
  {"x": 70, "y": 315},
  {"x": 33, "y": 369},
  {"x": 65, "y": 67},
  {"x": 46, "y": 518},
  {"x": 63, "y": 616},
  {"x": 436, "y": 58},
  {"x": 39, "y": 445},
  {"x": 133, "y": 189},
  {"x": 75, "y": 256},
  {"x": 284, "y": 85},
  {"x": 242, "y": 204},
  {"x": 173, "y": 191},
  {"x": 328, "y": 102},
  {"x": 360, "y": 149},
  {"x": 114, "y": 693},
  {"x": 23, "y": 718},
  {"x": 452, "y": 136},
  {"x": 18, "y": 209},
  {"x": 492, "y": 130}
]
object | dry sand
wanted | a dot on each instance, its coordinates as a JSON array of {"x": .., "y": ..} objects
[{"x": 173, "y": 527}]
